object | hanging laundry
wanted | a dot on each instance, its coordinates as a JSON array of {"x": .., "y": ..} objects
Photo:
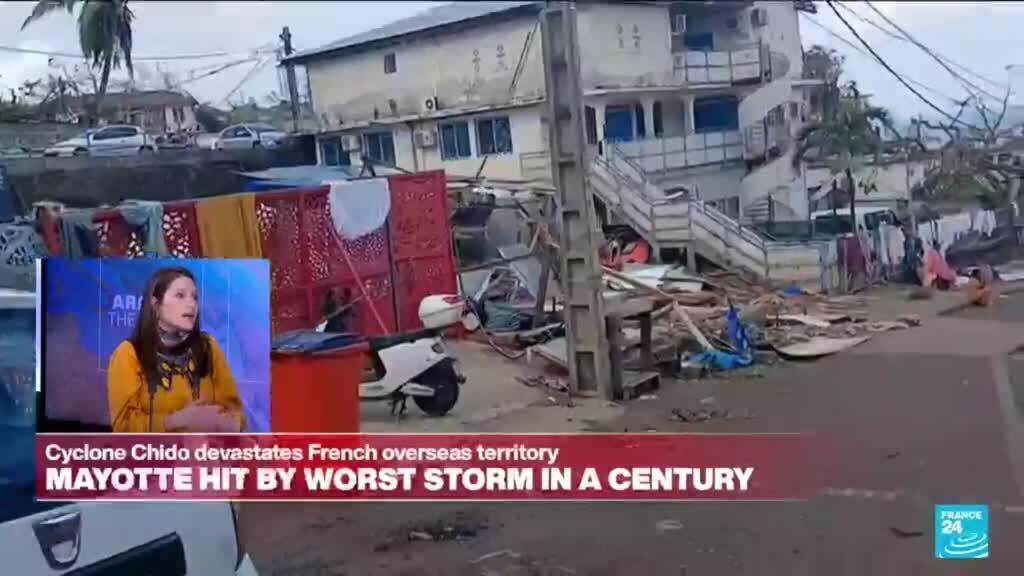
[
  {"x": 853, "y": 259},
  {"x": 880, "y": 237},
  {"x": 359, "y": 207},
  {"x": 952, "y": 228},
  {"x": 985, "y": 222},
  {"x": 78, "y": 234},
  {"x": 11, "y": 205},
  {"x": 945, "y": 230},
  {"x": 149, "y": 218},
  {"x": 913, "y": 256},
  {"x": 20, "y": 246},
  {"x": 895, "y": 244},
  {"x": 866, "y": 249},
  {"x": 228, "y": 227}
]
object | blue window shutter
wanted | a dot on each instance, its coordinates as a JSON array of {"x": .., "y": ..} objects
[
  {"x": 701, "y": 42},
  {"x": 462, "y": 140},
  {"x": 388, "y": 148},
  {"x": 447, "y": 141},
  {"x": 716, "y": 114}
]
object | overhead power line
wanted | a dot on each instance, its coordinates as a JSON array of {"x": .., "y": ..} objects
[
  {"x": 217, "y": 70},
  {"x": 248, "y": 76},
  {"x": 882, "y": 61},
  {"x": 141, "y": 58},
  {"x": 867, "y": 55},
  {"x": 905, "y": 38}
]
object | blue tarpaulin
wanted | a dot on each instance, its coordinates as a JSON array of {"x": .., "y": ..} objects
[
  {"x": 264, "y": 185},
  {"x": 304, "y": 176},
  {"x": 10, "y": 204},
  {"x": 309, "y": 341},
  {"x": 740, "y": 341}
]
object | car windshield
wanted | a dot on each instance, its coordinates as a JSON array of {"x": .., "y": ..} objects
[
  {"x": 17, "y": 414},
  {"x": 83, "y": 135},
  {"x": 831, "y": 225}
]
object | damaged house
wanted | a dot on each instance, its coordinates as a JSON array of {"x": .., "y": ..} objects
[{"x": 691, "y": 111}]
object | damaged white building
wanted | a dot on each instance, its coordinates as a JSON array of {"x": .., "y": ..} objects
[{"x": 699, "y": 102}]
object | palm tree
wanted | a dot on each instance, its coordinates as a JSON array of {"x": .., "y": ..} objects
[
  {"x": 104, "y": 33},
  {"x": 843, "y": 139}
]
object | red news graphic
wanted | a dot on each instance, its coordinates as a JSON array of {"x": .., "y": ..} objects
[{"x": 428, "y": 466}]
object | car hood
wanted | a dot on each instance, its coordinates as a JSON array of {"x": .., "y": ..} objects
[{"x": 71, "y": 143}]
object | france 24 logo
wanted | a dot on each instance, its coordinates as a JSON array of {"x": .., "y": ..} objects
[{"x": 961, "y": 531}]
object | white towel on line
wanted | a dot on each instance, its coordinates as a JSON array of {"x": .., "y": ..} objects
[{"x": 359, "y": 207}]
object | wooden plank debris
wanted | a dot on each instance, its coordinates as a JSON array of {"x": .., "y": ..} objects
[{"x": 820, "y": 346}]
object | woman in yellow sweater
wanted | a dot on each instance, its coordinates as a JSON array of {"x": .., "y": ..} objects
[{"x": 169, "y": 376}]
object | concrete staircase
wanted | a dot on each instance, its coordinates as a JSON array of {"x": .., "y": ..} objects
[
  {"x": 760, "y": 211},
  {"x": 777, "y": 177},
  {"x": 679, "y": 222}
]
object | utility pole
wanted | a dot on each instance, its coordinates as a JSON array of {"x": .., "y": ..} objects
[
  {"x": 582, "y": 279},
  {"x": 293, "y": 89}
]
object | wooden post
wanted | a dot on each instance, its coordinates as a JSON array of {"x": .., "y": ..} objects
[
  {"x": 586, "y": 339},
  {"x": 613, "y": 325},
  {"x": 647, "y": 341}
]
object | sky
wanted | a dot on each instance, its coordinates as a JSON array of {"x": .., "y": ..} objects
[{"x": 980, "y": 36}]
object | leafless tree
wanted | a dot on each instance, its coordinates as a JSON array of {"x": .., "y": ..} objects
[{"x": 991, "y": 119}]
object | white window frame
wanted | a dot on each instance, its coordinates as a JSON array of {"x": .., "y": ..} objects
[
  {"x": 494, "y": 139},
  {"x": 455, "y": 124}
]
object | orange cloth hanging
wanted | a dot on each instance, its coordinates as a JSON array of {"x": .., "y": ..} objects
[{"x": 228, "y": 227}]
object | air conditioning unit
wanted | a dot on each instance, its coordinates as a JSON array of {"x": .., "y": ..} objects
[
  {"x": 425, "y": 138},
  {"x": 431, "y": 104},
  {"x": 351, "y": 143},
  {"x": 679, "y": 24},
  {"x": 758, "y": 17}
]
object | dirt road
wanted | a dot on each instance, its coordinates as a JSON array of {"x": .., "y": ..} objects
[{"x": 935, "y": 413}]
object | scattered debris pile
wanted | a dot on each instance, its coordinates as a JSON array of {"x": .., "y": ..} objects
[
  {"x": 720, "y": 321},
  {"x": 660, "y": 318}
]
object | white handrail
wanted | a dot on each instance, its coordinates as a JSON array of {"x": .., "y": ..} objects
[
  {"x": 711, "y": 229},
  {"x": 614, "y": 154}
]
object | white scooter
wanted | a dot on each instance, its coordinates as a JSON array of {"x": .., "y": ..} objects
[{"x": 419, "y": 364}]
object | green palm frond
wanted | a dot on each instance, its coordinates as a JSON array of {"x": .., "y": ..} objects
[
  {"x": 105, "y": 32},
  {"x": 44, "y": 7}
]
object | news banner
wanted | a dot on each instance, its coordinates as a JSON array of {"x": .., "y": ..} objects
[{"x": 429, "y": 467}]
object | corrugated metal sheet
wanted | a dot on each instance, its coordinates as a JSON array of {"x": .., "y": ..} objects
[
  {"x": 312, "y": 176},
  {"x": 434, "y": 18}
]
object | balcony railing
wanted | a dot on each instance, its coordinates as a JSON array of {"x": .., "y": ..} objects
[
  {"x": 719, "y": 67},
  {"x": 655, "y": 155}
]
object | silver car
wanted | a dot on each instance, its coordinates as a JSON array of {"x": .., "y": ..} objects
[
  {"x": 242, "y": 136},
  {"x": 114, "y": 140}
]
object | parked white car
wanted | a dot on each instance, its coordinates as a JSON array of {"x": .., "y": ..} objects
[
  {"x": 50, "y": 538},
  {"x": 105, "y": 141},
  {"x": 241, "y": 136},
  {"x": 207, "y": 140}
]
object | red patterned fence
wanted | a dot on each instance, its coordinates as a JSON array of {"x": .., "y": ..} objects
[
  {"x": 399, "y": 264},
  {"x": 421, "y": 242}
]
